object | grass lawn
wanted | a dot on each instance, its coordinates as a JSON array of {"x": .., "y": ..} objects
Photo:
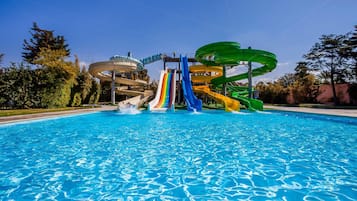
[{"x": 4, "y": 113}]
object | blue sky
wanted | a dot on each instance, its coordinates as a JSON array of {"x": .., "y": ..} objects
[{"x": 98, "y": 29}]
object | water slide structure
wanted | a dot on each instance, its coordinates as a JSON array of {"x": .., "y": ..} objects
[
  {"x": 118, "y": 71},
  {"x": 202, "y": 76},
  {"x": 230, "y": 54},
  {"x": 192, "y": 102},
  {"x": 166, "y": 92},
  {"x": 241, "y": 93},
  {"x": 229, "y": 103}
]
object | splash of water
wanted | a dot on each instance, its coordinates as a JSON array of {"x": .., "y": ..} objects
[
  {"x": 195, "y": 111},
  {"x": 129, "y": 110},
  {"x": 263, "y": 112},
  {"x": 240, "y": 113}
]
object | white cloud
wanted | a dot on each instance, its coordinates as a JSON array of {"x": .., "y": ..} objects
[
  {"x": 283, "y": 64},
  {"x": 266, "y": 79},
  {"x": 281, "y": 69},
  {"x": 236, "y": 70}
]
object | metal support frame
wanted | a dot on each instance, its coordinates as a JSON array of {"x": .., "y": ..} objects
[
  {"x": 250, "y": 87},
  {"x": 225, "y": 84},
  {"x": 113, "y": 88}
]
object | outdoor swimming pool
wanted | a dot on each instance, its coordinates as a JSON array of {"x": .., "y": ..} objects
[{"x": 180, "y": 156}]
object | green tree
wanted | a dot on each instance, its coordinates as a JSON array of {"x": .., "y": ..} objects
[
  {"x": 42, "y": 38},
  {"x": 272, "y": 92},
  {"x": 94, "y": 93},
  {"x": 286, "y": 80},
  {"x": 7, "y": 77},
  {"x": 305, "y": 88},
  {"x": 82, "y": 88},
  {"x": 23, "y": 86},
  {"x": 352, "y": 43},
  {"x": 16, "y": 85},
  {"x": 352, "y": 91},
  {"x": 301, "y": 70},
  {"x": 49, "y": 58},
  {"x": 60, "y": 77},
  {"x": 302, "y": 85},
  {"x": 84, "y": 82},
  {"x": 49, "y": 53},
  {"x": 326, "y": 57},
  {"x": 1, "y": 57}
]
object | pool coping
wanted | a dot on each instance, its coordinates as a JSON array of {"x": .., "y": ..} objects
[{"x": 21, "y": 118}]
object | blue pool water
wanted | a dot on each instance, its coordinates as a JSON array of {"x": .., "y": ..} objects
[{"x": 180, "y": 156}]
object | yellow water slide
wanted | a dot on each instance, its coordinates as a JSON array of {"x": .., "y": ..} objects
[
  {"x": 201, "y": 74},
  {"x": 204, "y": 74},
  {"x": 229, "y": 104}
]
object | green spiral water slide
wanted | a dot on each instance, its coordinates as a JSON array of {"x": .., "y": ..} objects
[{"x": 230, "y": 54}]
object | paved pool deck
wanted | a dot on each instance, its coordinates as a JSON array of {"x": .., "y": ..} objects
[
  {"x": 336, "y": 112},
  {"x": 19, "y": 118}
]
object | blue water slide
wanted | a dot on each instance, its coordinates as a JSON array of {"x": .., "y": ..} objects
[{"x": 192, "y": 102}]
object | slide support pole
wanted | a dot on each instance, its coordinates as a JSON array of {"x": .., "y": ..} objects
[
  {"x": 250, "y": 91},
  {"x": 224, "y": 84},
  {"x": 113, "y": 88}
]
